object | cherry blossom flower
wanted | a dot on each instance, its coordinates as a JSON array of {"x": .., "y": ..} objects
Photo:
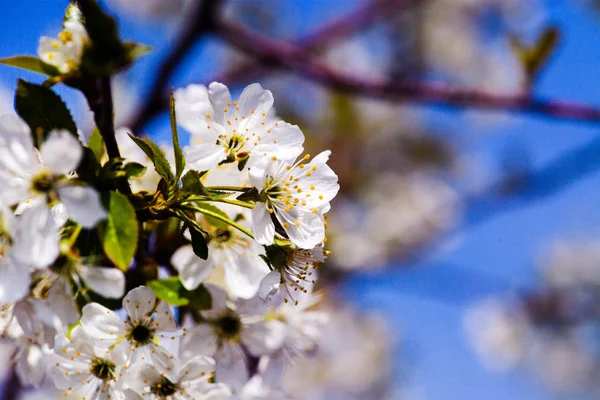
[
  {"x": 190, "y": 381},
  {"x": 295, "y": 277},
  {"x": 297, "y": 194},
  {"x": 227, "y": 131},
  {"x": 139, "y": 337},
  {"x": 65, "y": 52},
  {"x": 78, "y": 367},
  {"x": 26, "y": 178}
]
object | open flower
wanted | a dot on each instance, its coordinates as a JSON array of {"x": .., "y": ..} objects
[
  {"x": 238, "y": 255},
  {"x": 226, "y": 130},
  {"x": 148, "y": 319},
  {"x": 64, "y": 52},
  {"x": 190, "y": 381},
  {"x": 230, "y": 329},
  {"x": 14, "y": 275},
  {"x": 78, "y": 367},
  {"x": 298, "y": 195},
  {"x": 295, "y": 277},
  {"x": 40, "y": 179}
]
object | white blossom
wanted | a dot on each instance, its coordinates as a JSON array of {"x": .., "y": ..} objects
[
  {"x": 149, "y": 321},
  {"x": 226, "y": 130},
  {"x": 65, "y": 52},
  {"x": 298, "y": 194}
]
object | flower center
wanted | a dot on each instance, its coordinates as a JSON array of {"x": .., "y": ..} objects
[
  {"x": 43, "y": 183},
  {"x": 102, "y": 369},
  {"x": 164, "y": 388},
  {"x": 140, "y": 334},
  {"x": 228, "y": 326},
  {"x": 223, "y": 235}
]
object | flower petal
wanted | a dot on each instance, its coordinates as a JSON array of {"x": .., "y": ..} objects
[
  {"x": 192, "y": 269},
  {"x": 221, "y": 100},
  {"x": 16, "y": 148},
  {"x": 107, "y": 282},
  {"x": 101, "y": 323},
  {"x": 139, "y": 303},
  {"x": 14, "y": 280},
  {"x": 263, "y": 227},
  {"x": 36, "y": 239},
  {"x": 83, "y": 205},
  {"x": 205, "y": 156},
  {"x": 61, "y": 152},
  {"x": 269, "y": 286}
]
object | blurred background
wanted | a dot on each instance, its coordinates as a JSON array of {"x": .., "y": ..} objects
[{"x": 466, "y": 236}]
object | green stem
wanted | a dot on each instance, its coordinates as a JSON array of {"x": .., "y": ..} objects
[
  {"x": 229, "y": 188},
  {"x": 234, "y": 202},
  {"x": 219, "y": 217}
]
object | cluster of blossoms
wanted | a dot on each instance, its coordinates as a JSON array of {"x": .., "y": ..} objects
[
  {"x": 551, "y": 329},
  {"x": 235, "y": 229}
]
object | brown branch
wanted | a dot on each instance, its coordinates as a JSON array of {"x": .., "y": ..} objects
[
  {"x": 201, "y": 22},
  {"x": 339, "y": 29},
  {"x": 292, "y": 58}
]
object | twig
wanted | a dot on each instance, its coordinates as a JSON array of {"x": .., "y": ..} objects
[
  {"x": 289, "y": 57},
  {"x": 201, "y": 22},
  {"x": 339, "y": 29}
]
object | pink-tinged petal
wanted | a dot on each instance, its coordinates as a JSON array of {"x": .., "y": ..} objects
[
  {"x": 102, "y": 324},
  {"x": 263, "y": 227},
  {"x": 82, "y": 204},
  {"x": 192, "y": 269},
  {"x": 221, "y": 100},
  {"x": 139, "y": 303},
  {"x": 61, "y": 152},
  {"x": 107, "y": 282}
]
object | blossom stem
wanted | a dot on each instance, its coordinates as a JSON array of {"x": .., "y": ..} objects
[
  {"x": 226, "y": 201},
  {"x": 219, "y": 217},
  {"x": 230, "y": 188}
]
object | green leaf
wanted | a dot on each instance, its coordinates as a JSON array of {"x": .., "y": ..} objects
[
  {"x": 96, "y": 143},
  {"x": 136, "y": 50},
  {"x": 30, "y": 63},
  {"x": 170, "y": 290},
  {"x": 119, "y": 233},
  {"x": 43, "y": 110},
  {"x": 192, "y": 183},
  {"x": 199, "y": 244},
  {"x": 161, "y": 164},
  {"x": 134, "y": 170},
  {"x": 200, "y": 298},
  {"x": 217, "y": 223},
  {"x": 179, "y": 158}
]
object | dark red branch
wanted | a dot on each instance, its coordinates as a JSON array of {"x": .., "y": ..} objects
[{"x": 286, "y": 56}]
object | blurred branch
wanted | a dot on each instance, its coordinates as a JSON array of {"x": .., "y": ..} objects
[
  {"x": 539, "y": 184},
  {"x": 201, "y": 22},
  {"x": 12, "y": 386},
  {"x": 339, "y": 29},
  {"x": 278, "y": 54}
]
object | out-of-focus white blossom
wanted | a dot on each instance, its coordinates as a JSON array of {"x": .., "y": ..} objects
[{"x": 65, "y": 52}]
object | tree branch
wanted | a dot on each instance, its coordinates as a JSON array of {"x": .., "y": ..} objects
[
  {"x": 12, "y": 386},
  {"x": 339, "y": 29},
  {"x": 290, "y": 57},
  {"x": 201, "y": 22}
]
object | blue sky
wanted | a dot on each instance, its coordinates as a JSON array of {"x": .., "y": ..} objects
[{"x": 425, "y": 304}]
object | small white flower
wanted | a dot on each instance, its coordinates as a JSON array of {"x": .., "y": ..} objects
[
  {"x": 223, "y": 130},
  {"x": 28, "y": 179},
  {"x": 148, "y": 320},
  {"x": 78, "y": 367},
  {"x": 255, "y": 389},
  {"x": 297, "y": 194},
  {"x": 65, "y": 52},
  {"x": 295, "y": 278},
  {"x": 107, "y": 282},
  {"x": 190, "y": 381},
  {"x": 237, "y": 254},
  {"x": 230, "y": 329}
]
